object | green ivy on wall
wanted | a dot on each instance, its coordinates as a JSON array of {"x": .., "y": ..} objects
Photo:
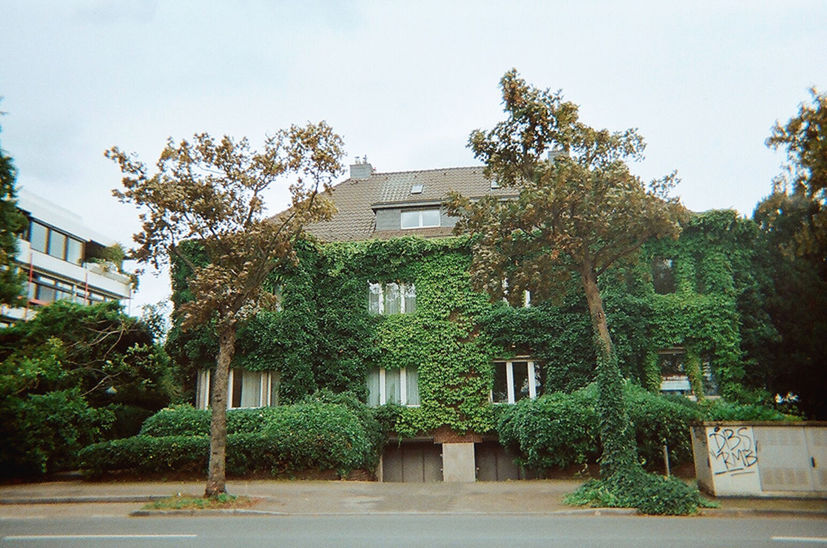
[{"x": 323, "y": 337}]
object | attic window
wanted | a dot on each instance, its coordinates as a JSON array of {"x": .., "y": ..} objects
[
  {"x": 417, "y": 189},
  {"x": 495, "y": 184}
]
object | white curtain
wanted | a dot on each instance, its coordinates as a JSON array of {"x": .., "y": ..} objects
[
  {"x": 250, "y": 389},
  {"x": 392, "y": 299},
  {"x": 412, "y": 385},
  {"x": 392, "y": 386},
  {"x": 373, "y": 387}
]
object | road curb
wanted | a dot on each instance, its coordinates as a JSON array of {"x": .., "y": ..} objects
[{"x": 82, "y": 499}]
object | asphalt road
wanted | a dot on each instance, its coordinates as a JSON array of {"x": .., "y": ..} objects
[{"x": 415, "y": 530}]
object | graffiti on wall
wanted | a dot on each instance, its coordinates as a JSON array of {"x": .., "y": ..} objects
[{"x": 732, "y": 450}]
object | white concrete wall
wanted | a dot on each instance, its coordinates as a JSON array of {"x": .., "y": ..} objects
[{"x": 458, "y": 464}]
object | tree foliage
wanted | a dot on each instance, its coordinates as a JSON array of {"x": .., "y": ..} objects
[
  {"x": 794, "y": 222},
  {"x": 576, "y": 212},
  {"x": 796, "y": 211},
  {"x": 12, "y": 222},
  {"x": 72, "y": 375},
  {"x": 212, "y": 191}
]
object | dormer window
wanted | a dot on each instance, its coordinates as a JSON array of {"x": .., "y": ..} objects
[
  {"x": 417, "y": 189},
  {"x": 495, "y": 184},
  {"x": 422, "y": 218}
]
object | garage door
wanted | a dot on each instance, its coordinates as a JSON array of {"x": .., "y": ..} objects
[
  {"x": 494, "y": 464},
  {"x": 417, "y": 462}
]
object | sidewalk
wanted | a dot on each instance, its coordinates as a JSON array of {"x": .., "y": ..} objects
[{"x": 355, "y": 497}]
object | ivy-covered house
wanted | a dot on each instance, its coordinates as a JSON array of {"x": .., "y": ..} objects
[{"x": 381, "y": 305}]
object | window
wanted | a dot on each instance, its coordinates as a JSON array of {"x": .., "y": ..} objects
[
  {"x": 56, "y": 244},
  {"x": 391, "y": 298},
  {"x": 663, "y": 276},
  {"x": 422, "y": 218},
  {"x": 674, "y": 379},
  {"x": 38, "y": 237},
  {"x": 515, "y": 380},
  {"x": 74, "y": 251},
  {"x": 417, "y": 189},
  {"x": 400, "y": 386},
  {"x": 244, "y": 388},
  {"x": 525, "y": 302}
]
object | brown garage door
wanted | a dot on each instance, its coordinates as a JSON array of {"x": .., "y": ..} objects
[
  {"x": 494, "y": 464},
  {"x": 416, "y": 462}
]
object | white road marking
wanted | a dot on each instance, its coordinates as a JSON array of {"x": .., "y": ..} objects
[
  {"x": 800, "y": 539},
  {"x": 95, "y": 537}
]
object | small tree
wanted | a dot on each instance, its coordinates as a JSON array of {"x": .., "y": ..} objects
[
  {"x": 576, "y": 211},
  {"x": 11, "y": 223},
  {"x": 211, "y": 191}
]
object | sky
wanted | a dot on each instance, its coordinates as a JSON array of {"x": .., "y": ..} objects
[{"x": 403, "y": 82}]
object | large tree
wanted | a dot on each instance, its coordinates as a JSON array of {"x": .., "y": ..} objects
[
  {"x": 71, "y": 376},
  {"x": 794, "y": 220},
  {"x": 576, "y": 210},
  {"x": 796, "y": 211},
  {"x": 12, "y": 222},
  {"x": 212, "y": 191}
]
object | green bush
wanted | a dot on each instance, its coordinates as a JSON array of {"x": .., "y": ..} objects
[
  {"x": 649, "y": 493},
  {"x": 558, "y": 430},
  {"x": 145, "y": 454},
  {"x": 721, "y": 410},
  {"x": 553, "y": 431},
  {"x": 313, "y": 435},
  {"x": 42, "y": 433},
  {"x": 180, "y": 420},
  {"x": 661, "y": 420}
]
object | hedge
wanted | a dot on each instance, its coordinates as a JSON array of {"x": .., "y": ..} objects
[
  {"x": 559, "y": 430},
  {"x": 312, "y": 435}
]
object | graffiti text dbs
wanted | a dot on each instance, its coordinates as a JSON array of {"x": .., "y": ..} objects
[{"x": 732, "y": 450}]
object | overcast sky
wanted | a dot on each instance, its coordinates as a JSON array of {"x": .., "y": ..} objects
[{"x": 403, "y": 82}]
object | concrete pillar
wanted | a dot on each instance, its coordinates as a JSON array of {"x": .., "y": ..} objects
[{"x": 458, "y": 463}]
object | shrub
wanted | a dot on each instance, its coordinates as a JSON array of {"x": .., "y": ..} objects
[
  {"x": 323, "y": 436},
  {"x": 558, "y": 430},
  {"x": 178, "y": 420},
  {"x": 649, "y": 493},
  {"x": 144, "y": 453},
  {"x": 555, "y": 430},
  {"x": 661, "y": 420},
  {"x": 42, "y": 433},
  {"x": 721, "y": 410}
]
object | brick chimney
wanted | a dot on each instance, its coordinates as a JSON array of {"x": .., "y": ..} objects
[{"x": 361, "y": 169}]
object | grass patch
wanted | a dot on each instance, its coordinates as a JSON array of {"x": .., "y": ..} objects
[{"x": 193, "y": 502}]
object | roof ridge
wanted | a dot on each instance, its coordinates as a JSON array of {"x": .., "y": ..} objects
[{"x": 425, "y": 170}]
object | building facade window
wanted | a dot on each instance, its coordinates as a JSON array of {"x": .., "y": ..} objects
[
  {"x": 400, "y": 386},
  {"x": 57, "y": 244},
  {"x": 663, "y": 276},
  {"x": 45, "y": 290},
  {"x": 421, "y": 218},
  {"x": 674, "y": 378},
  {"x": 515, "y": 380},
  {"x": 244, "y": 388},
  {"x": 391, "y": 298}
]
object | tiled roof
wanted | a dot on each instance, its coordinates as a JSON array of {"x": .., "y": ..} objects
[{"x": 355, "y": 200}]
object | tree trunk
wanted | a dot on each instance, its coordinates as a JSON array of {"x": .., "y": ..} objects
[
  {"x": 217, "y": 474},
  {"x": 616, "y": 433}
]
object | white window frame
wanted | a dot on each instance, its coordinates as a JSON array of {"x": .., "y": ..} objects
[
  {"x": 509, "y": 379},
  {"x": 526, "y": 295},
  {"x": 403, "y": 388},
  {"x": 420, "y": 218},
  {"x": 403, "y": 290},
  {"x": 202, "y": 392}
]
